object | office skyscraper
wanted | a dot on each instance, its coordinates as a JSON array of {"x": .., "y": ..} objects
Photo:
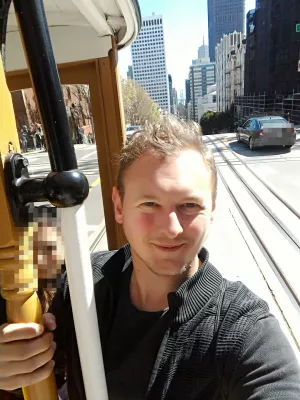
[
  {"x": 149, "y": 60},
  {"x": 201, "y": 76},
  {"x": 203, "y": 52},
  {"x": 224, "y": 16}
]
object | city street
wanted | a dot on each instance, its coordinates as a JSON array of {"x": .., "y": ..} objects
[
  {"x": 256, "y": 233},
  {"x": 86, "y": 71},
  {"x": 87, "y": 162},
  {"x": 255, "y": 237}
]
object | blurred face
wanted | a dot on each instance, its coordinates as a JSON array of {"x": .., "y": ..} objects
[
  {"x": 166, "y": 211},
  {"x": 48, "y": 257},
  {"x": 49, "y": 252}
]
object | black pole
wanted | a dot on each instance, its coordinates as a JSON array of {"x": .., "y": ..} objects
[
  {"x": 4, "y": 9},
  {"x": 46, "y": 82}
]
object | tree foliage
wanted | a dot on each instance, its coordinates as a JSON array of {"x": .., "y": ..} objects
[
  {"x": 214, "y": 122},
  {"x": 139, "y": 108}
]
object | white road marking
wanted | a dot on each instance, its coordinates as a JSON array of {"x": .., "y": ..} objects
[
  {"x": 88, "y": 155},
  {"x": 31, "y": 159}
]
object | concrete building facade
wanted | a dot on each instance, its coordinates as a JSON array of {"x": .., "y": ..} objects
[
  {"x": 230, "y": 69},
  {"x": 187, "y": 92},
  {"x": 170, "y": 83},
  {"x": 273, "y": 50},
  {"x": 175, "y": 101},
  {"x": 149, "y": 60},
  {"x": 77, "y": 102},
  {"x": 207, "y": 102},
  {"x": 201, "y": 76},
  {"x": 224, "y": 16}
]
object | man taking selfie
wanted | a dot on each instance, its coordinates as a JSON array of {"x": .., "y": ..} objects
[{"x": 172, "y": 328}]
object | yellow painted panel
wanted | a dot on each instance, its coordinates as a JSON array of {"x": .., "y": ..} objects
[
  {"x": 8, "y": 128},
  {"x": 8, "y": 133}
]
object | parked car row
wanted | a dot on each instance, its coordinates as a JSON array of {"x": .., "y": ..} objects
[{"x": 267, "y": 131}]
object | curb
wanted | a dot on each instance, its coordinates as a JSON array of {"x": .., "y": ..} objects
[{"x": 33, "y": 152}]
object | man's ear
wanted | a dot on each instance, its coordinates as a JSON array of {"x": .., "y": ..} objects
[{"x": 118, "y": 206}]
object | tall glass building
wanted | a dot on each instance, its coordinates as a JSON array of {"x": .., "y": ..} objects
[
  {"x": 224, "y": 16},
  {"x": 149, "y": 60}
]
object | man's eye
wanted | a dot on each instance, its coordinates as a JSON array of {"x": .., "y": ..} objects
[
  {"x": 149, "y": 204},
  {"x": 190, "y": 205}
]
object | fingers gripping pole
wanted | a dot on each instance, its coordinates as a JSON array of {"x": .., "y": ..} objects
[{"x": 81, "y": 286}]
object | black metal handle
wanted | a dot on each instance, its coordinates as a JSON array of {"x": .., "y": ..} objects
[
  {"x": 43, "y": 69},
  {"x": 65, "y": 186}
]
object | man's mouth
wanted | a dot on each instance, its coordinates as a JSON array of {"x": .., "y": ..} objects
[{"x": 168, "y": 247}]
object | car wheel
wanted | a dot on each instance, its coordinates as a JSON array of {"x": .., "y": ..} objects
[
  {"x": 238, "y": 138},
  {"x": 288, "y": 146},
  {"x": 251, "y": 145}
]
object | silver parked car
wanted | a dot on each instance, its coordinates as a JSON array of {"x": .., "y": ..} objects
[
  {"x": 131, "y": 130},
  {"x": 267, "y": 131}
]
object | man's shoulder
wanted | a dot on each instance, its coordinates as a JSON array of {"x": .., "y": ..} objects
[
  {"x": 239, "y": 303},
  {"x": 239, "y": 311},
  {"x": 98, "y": 261},
  {"x": 239, "y": 296},
  {"x": 100, "y": 258}
]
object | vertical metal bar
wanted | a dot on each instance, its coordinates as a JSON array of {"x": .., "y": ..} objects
[
  {"x": 80, "y": 278},
  {"x": 4, "y": 9},
  {"x": 43, "y": 69},
  {"x": 40, "y": 58}
]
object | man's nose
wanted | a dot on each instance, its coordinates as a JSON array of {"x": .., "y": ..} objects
[{"x": 171, "y": 225}]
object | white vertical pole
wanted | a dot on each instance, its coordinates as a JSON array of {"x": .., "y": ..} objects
[{"x": 80, "y": 279}]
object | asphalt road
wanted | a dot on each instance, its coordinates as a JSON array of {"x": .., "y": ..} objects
[
  {"x": 232, "y": 248},
  {"x": 255, "y": 237},
  {"x": 277, "y": 166},
  {"x": 87, "y": 162}
]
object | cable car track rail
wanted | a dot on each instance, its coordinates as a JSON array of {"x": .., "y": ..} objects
[
  {"x": 258, "y": 198},
  {"x": 257, "y": 236},
  {"x": 281, "y": 199}
]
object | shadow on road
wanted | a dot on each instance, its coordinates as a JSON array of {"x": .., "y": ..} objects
[{"x": 243, "y": 149}]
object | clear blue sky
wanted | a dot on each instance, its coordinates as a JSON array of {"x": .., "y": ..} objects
[{"x": 185, "y": 24}]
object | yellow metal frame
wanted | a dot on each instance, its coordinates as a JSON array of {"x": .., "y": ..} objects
[{"x": 22, "y": 303}]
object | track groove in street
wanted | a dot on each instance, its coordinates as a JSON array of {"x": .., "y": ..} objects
[
  {"x": 284, "y": 230},
  {"x": 291, "y": 208}
]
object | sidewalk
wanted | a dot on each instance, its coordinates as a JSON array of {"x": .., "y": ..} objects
[{"x": 33, "y": 152}]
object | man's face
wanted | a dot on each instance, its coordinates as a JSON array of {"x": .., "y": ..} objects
[{"x": 166, "y": 211}]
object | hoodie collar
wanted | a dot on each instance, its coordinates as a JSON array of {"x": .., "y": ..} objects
[{"x": 190, "y": 297}]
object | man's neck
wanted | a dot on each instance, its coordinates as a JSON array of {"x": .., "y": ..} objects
[{"x": 149, "y": 292}]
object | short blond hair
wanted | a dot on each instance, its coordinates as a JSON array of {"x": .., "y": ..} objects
[{"x": 169, "y": 137}]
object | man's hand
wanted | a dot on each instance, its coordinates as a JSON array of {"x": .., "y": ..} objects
[{"x": 26, "y": 352}]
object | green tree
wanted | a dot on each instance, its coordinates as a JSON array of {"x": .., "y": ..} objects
[
  {"x": 139, "y": 108},
  {"x": 214, "y": 122}
]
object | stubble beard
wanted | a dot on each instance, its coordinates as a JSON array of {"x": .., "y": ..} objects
[{"x": 184, "y": 270}]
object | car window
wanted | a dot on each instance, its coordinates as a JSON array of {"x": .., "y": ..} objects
[
  {"x": 247, "y": 124},
  {"x": 262, "y": 122},
  {"x": 253, "y": 125}
]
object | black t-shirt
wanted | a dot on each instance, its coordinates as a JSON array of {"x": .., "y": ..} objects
[{"x": 133, "y": 344}]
